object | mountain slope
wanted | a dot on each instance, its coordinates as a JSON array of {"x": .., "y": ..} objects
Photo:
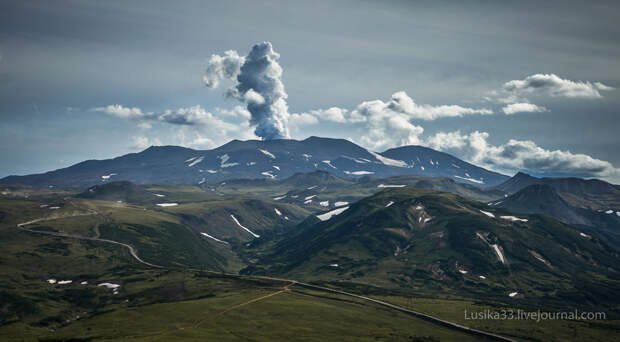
[
  {"x": 591, "y": 194},
  {"x": 430, "y": 241},
  {"x": 542, "y": 199},
  {"x": 440, "y": 164},
  {"x": 272, "y": 159},
  {"x": 547, "y": 200}
]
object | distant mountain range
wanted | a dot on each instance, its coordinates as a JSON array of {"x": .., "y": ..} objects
[{"x": 254, "y": 159}]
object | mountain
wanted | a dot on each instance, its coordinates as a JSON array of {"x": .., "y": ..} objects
[
  {"x": 517, "y": 182},
  {"x": 545, "y": 199},
  {"x": 254, "y": 159},
  {"x": 437, "y": 242},
  {"x": 542, "y": 199},
  {"x": 593, "y": 194},
  {"x": 440, "y": 164}
]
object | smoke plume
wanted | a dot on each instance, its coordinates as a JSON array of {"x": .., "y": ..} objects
[{"x": 258, "y": 84}]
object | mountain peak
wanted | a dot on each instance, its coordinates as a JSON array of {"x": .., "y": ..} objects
[
  {"x": 263, "y": 159},
  {"x": 522, "y": 174}
]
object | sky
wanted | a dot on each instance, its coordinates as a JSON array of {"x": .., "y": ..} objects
[{"x": 520, "y": 86}]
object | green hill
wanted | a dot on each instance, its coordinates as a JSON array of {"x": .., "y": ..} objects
[{"x": 429, "y": 242}]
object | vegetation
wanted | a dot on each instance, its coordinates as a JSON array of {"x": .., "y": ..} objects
[{"x": 387, "y": 252}]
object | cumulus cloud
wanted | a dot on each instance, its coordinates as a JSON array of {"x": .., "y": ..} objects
[
  {"x": 141, "y": 142},
  {"x": 388, "y": 124},
  {"x": 258, "y": 84},
  {"x": 303, "y": 119},
  {"x": 402, "y": 103},
  {"x": 333, "y": 114},
  {"x": 520, "y": 155},
  {"x": 124, "y": 112},
  {"x": 555, "y": 86},
  {"x": 385, "y": 126},
  {"x": 523, "y": 107},
  {"x": 222, "y": 67}
]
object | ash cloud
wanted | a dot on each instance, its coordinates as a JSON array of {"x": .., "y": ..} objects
[{"x": 258, "y": 84}]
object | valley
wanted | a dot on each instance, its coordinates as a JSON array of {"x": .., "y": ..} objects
[{"x": 230, "y": 251}]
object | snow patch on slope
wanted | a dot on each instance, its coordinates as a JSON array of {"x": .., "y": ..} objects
[
  {"x": 268, "y": 174},
  {"x": 196, "y": 161},
  {"x": 245, "y": 228},
  {"x": 391, "y": 185},
  {"x": 224, "y": 159},
  {"x": 469, "y": 179},
  {"x": 267, "y": 153},
  {"x": 167, "y": 204},
  {"x": 214, "y": 238},
  {"x": 388, "y": 161},
  {"x": 359, "y": 173},
  {"x": 329, "y": 162},
  {"x": 513, "y": 218},
  {"x": 326, "y": 216},
  {"x": 487, "y": 213}
]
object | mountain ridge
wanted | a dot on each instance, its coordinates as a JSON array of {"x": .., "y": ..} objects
[{"x": 255, "y": 159}]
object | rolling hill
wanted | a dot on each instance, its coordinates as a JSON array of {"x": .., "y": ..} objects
[{"x": 428, "y": 241}]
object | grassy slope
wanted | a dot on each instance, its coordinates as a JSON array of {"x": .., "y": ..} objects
[
  {"x": 388, "y": 247},
  {"x": 163, "y": 305},
  {"x": 156, "y": 298},
  {"x": 527, "y": 330}
]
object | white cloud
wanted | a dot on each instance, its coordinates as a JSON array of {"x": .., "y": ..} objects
[
  {"x": 554, "y": 86},
  {"x": 190, "y": 116},
  {"x": 523, "y": 107},
  {"x": 196, "y": 127},
  {"x": 123, "y": 112},
  {"x": 222, "y": 67},
  {"x": 384, "y": 124},
  {"x": 235, "y": 112},
  {"x": 601, "y": 86},
  {"x": 402, "y": 103},
  {"x": 303, "y": 119},
  {"x": 384, "y": 127},
  {"x": 333, "y": 114},
  {"x": 142, "y": 142},
  {"x": 520, "y": 155}
]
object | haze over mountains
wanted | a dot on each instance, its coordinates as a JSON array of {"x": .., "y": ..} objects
[{"x": 253, "y": 159}]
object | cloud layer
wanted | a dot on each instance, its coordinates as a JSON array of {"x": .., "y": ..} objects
[
  {"x": 195, "y": 127},
  {"x": 190, "y": 116},
  {"x": 519, "y": 155}
]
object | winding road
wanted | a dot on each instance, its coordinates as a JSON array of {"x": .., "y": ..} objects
[{"x": 292, "y": 282}]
